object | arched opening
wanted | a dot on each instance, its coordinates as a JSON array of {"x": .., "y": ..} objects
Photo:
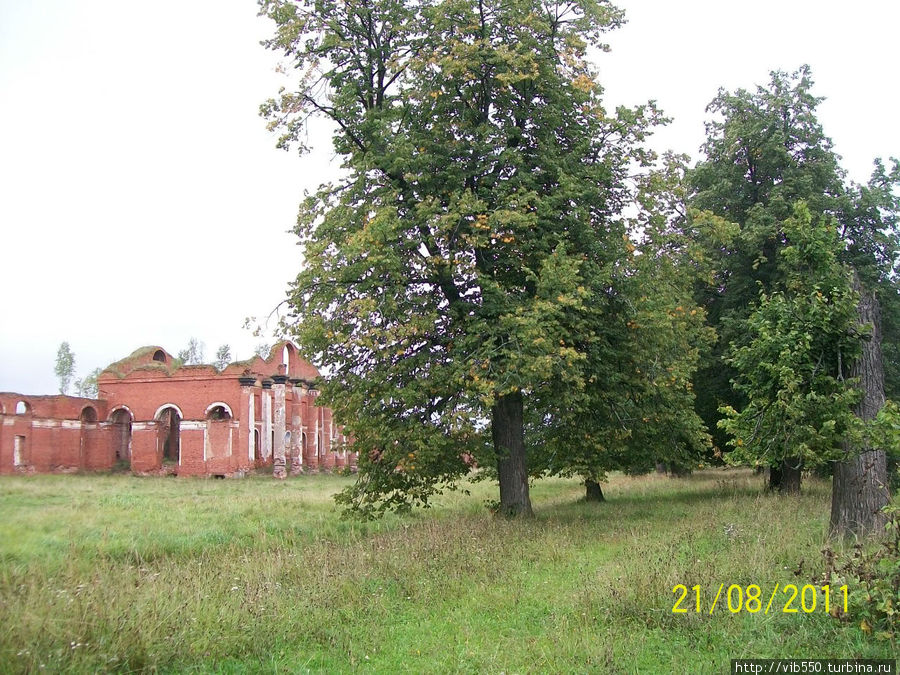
[
  {"x": 89, "y": 415},
  {"x": 218, "y": 412},
  {"x": 159, "y": 355},
  {"x": 256, "y": 444},
  {"x": 121, "y": 420},
  {"x": 218, "y": 431},
  {"x": 168, "y": 434},
  {"x": 23, "y": 408},
  {"x": 289, "y": 359}
]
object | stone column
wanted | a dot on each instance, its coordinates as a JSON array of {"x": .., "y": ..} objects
[
  {"x": 266, "y": 420},
  {"x": 279, "y": 470},
  {"x": 341, "y": 448},
  {"x": 327, "y": 453},
  {"x": 247, "y": 420},
  {"x": 296, "y": 449},
  {"x": 311, "y": 427}
]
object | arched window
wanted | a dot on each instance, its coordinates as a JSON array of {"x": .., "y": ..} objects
[
  {"x": 218, "y": 411},
  {"x": 88, "y": 415},
  {"x": 168, "y": 419},
  {"x": 160, "y": 356},
  {"x": 22, "y": 408}
]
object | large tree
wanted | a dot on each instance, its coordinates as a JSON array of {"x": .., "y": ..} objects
[
  {"x": 765, "y": 150},
  {"x": 782, "y": 294},
  {"x": 636, "y": 409},
  {"x": 464, "y": 277},
  {"x": 861, "y": 485},
  {"x": 793, "y": 367}
]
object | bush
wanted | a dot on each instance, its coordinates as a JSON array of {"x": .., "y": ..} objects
[{"x": 873, "y": 579}]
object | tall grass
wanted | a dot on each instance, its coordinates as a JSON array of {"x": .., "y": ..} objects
[{"x": 115, "y": 573}]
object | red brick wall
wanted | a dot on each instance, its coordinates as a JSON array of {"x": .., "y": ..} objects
[{"x": 54, "y": 437}]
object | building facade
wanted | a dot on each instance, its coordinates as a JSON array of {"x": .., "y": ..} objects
[{"x": 155, "y": 415}]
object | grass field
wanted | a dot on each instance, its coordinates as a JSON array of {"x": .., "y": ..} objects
[{"x": 116, "y": 573}]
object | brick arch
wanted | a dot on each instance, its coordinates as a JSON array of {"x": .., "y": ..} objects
[
  {"x": 164, "y": 406},
  {"x": 287, "y": 355},
  {"x": 123, "y": 408},
  {"x": 168, "y": 436},
  {"x": 23, "y": 407},
  {"x": 121, "y": 419},
  {"x": 88, "y": 414},
  {"x": 219, "y": 404}
]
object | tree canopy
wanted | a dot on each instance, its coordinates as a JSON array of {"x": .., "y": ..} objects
[
  {"x": 796, "y": 296},
  {"x": 472, "y": 276}
]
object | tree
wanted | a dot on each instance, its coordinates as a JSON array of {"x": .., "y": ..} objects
[
  {"x": 192, "y": 355},
  {"x": 765, "y": 151},
  {"x": 636, "y": 408},
  {"x": 861, "y": 487},
  {"x": 262, "y": 350},
  {"x": 466, "y": 271},
  {"x": 782, "y": 298},
  {"x": 65, "y": 367},
  {"x": 87, "y": 386},
  {"x": 791, "y": 369},
  {"x": 223, "y": 357}
]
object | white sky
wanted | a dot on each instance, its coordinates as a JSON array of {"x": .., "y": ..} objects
[{"x": 143, "y": 202}]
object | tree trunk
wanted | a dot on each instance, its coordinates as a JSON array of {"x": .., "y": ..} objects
[
  {"x": 785, "y": 477},
  {"x": 791, "y": 469},
  {"x": 860, "y": 488},
  {"x": 508, "y": 433},
  {"x": 775, "y": 477},
  {"x": 593, "y": 492}
]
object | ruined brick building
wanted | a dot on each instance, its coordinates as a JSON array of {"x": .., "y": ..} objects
[{"x": 157, "y": 416}]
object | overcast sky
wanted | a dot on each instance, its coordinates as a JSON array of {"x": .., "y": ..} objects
[{"x": 143, "y": 202}]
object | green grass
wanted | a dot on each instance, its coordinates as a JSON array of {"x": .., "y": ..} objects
[{"x": 116, "y": 573}]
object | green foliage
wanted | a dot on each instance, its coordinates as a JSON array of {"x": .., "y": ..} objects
[
  {"x": 872, "y": 574},
  {"x": 477, "y": 248},
  {"x": 87, "y": 386},
  {"x": 790, "y": 368},
  {"x": 777, "y": 308},
  {"x": 637, "y": 406},
  {"x": 65, "y": 367},
  {"x": 192, "y": 355},
  {"x": 223, "y": 357},
  {"x": 765, "y": 150}
]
